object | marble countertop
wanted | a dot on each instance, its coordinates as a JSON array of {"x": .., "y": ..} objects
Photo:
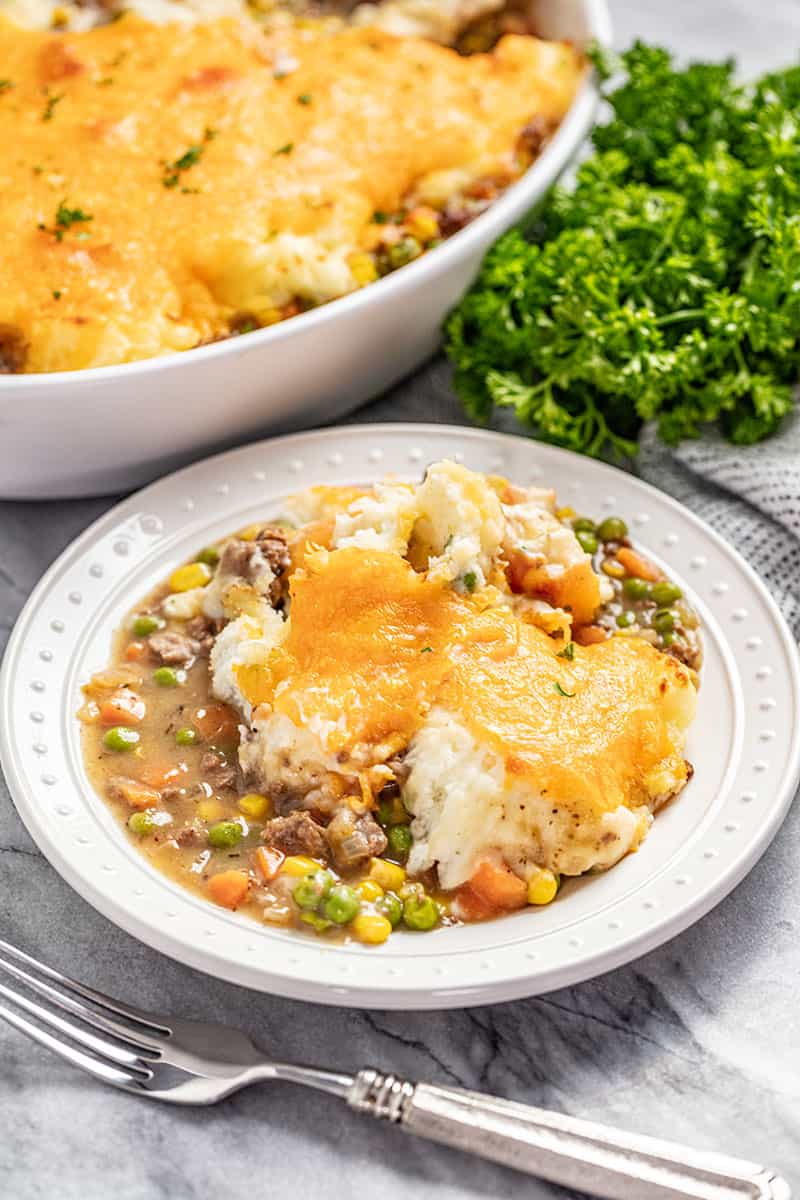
[{"x": 698, "y": 1041}]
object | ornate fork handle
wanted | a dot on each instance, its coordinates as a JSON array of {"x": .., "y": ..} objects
[{"x": 573, "y": 1153}]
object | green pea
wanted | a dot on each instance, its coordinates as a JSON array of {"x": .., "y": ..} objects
[
  {"x": 400, "y": 840},
  {"x": 142, "y": 823},
  {"x": 209, "y": 556},
  {"x": 225, "y": 834},
  {"x": 587, "y": 539},
  {"x": 147, "y": 623},
  {"x": 187, "y": 736},
  {"x": 316, "y": 922},
  {"x": 391, "y": 907},
  {"x": 665, "y": 593},
  {"x": 637, "y": 589},
  {"x": 383, "y": 813},
  {"x": 583, "y": 525},
  {"x": 341, "y": 904},
  {"x": 120, "y": 738},
  {"x": 166, "y": 677},
  {"x": 612, "y": 529},
  {"x": 420, "y": 912},
  {"x": 404, "y": 251},
  {"x": 667, "y": 639},
  {"x": 312, "y": 888},
  {"x": 625, "y": 619},
  {"x": 663, "y": 621}
]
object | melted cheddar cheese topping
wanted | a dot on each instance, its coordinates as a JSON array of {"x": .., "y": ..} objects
[
  {"x": 372, "y": 647},
  {"x": 157, "y": 183}
]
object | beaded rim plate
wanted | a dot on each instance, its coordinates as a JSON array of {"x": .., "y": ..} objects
[{"x": 745, "y": 743}]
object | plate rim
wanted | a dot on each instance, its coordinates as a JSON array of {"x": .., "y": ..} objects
[{"x": 591, "y": 962}]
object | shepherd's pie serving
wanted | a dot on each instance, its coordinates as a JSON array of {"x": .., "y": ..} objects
[
  {"x": 185, "y": 173},
  {"x": 404, "y": 704}
]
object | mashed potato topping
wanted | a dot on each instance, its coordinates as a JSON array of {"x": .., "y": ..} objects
[{"x": 406, "y": 656}]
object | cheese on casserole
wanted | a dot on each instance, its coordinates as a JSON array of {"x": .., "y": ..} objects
[
  {"x": 552, "y": 762},
  {"x": 158, "y": 183}
]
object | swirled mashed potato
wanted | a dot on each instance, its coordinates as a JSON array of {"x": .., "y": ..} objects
[{"x": 427, "y": 638}]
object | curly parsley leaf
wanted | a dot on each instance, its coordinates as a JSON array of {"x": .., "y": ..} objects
[{"x": 664, "y": 285}]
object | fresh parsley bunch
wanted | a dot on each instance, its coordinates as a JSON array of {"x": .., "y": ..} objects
[{"x": 666, "y": 285}]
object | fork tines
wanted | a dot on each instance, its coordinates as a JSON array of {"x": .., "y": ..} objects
[{"x": 128, "y": 1040}]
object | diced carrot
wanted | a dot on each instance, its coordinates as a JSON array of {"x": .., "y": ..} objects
[
  {"x": 517, "y": 567},
  {"x": 639, "y": 566},
  {"x": 216, "y": 723},
  {"x": 469, "y": 906},
  {"x": 126, "y": 708},
  {"x": 576, "y": 589},
  {"x": 268, "y": 861},
  {"x": 138, "y": 795},
  {"x": 587, "y": 635},
  {"x": 134, "y": 651},
  {"x": 498, "y": 886},
  {"x": 229, "y": 888},
  {"x": 161, "y": 774}
]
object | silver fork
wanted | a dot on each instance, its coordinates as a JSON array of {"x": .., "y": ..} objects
[{"x": 191, "y": 1062}]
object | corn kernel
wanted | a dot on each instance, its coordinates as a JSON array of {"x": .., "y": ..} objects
[
  {"x": 369, "y": 890},
  {"x": 566, "y": 513},
  {"x": 211, "y": 810},
  {"x": 299, "y": 864},
  {"x": 422, "y": 223},
  {"x": 542, "y": 886},
  {"x": 388, "y": 875},
  {"x": 371, "y": 928},
  {"x": 250, "y": 532},
  {"x": 192, "y": 575},
  {"x": 611, "y": 567},
  {"x": 254, "y": 805},
  {"x": 363, "y": 269},
  {"x": 268, "y": 315}
]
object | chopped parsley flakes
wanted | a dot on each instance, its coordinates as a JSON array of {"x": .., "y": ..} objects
[
  {"x": 562, "y": 691},
  {"x": 304, "y": 98},
  {"x": 65, "y": 219},
  {"x": 568, "y": 652},
  {"x": 173, "y": 170},
  {"x": 470, "y": 580},
  {"x": 56, "y": 295},
  {"x": 287, "y": 149},
  {"x": 5, "y": 85},
  {"x": 50, "y": 106}
]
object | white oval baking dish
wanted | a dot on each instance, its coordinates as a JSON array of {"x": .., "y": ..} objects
[{"x": 110, "y": 429}]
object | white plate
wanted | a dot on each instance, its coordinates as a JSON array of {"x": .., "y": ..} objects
[{"x": 744, "y": 744}]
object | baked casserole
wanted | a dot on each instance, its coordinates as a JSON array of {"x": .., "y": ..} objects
[{"x": 182, "y": 174}]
